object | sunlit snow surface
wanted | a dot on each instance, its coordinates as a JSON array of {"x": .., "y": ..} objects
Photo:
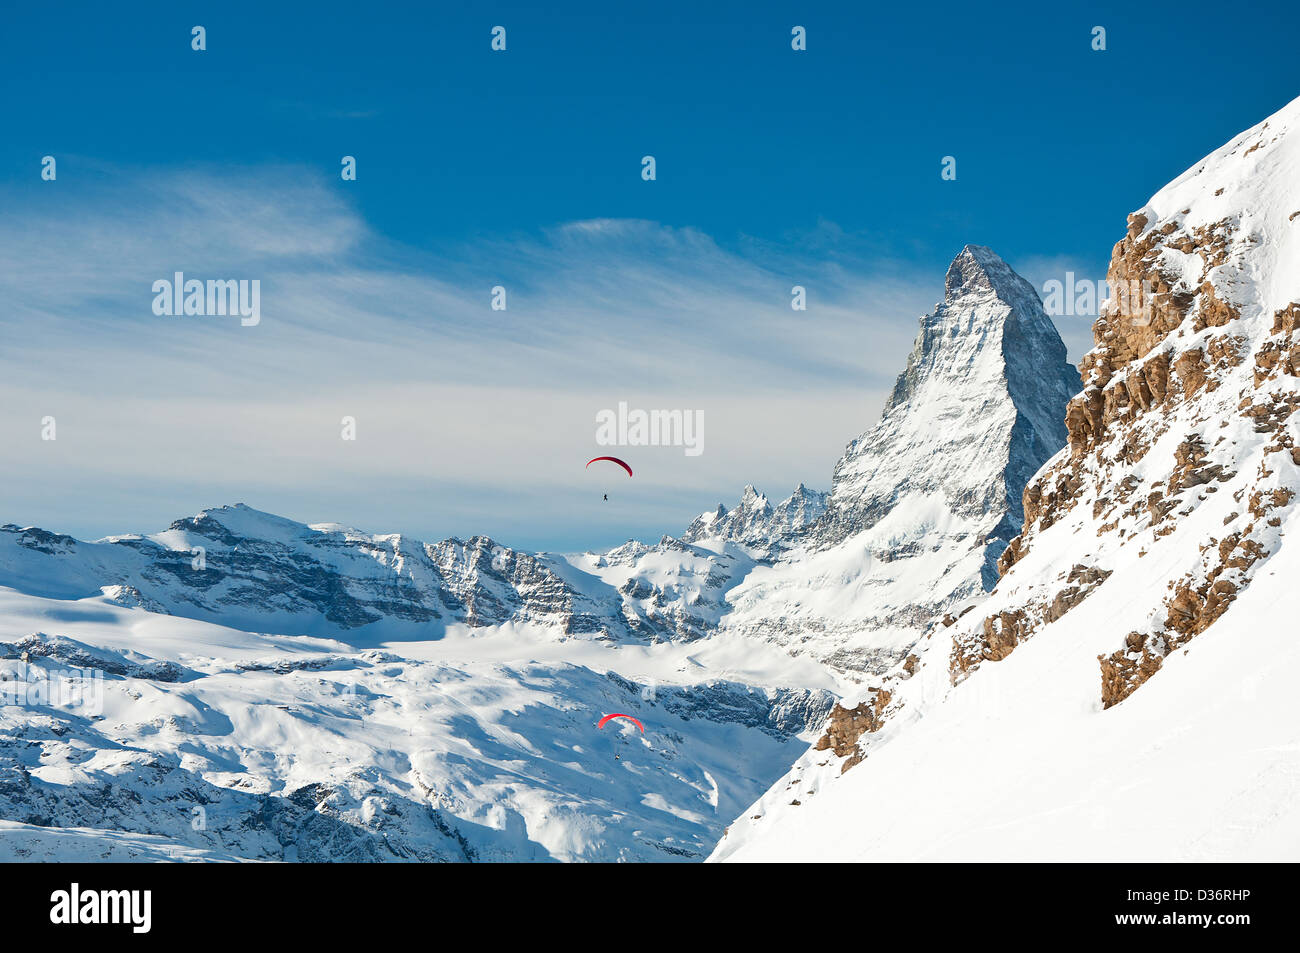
[{"x": 471, "y": 747}]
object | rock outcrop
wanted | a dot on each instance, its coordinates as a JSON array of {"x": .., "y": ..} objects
[{"x": 1188, "y": 404}]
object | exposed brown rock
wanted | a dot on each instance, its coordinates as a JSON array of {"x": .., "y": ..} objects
[
  {"x": 1191, "y": 370},
  {"x": 1083, "y": 579},
  {"x": 1269, "y": 415},
  {"x": 1088, "y": 576},
  {"x": 1123, "y": 672},
  {"x": 1225, "y": 350},
  {"x": 1215, "y": 312},
  {"x": 1134, "y": 371},
  {"x": 1085, "y": 417},
  {"x": 1191, "y": 468},
  {"x": 1143, "y": 387},
  {"x": 1288, "y": 319},
  {"x": 1008, "y": 558},
  {"x": 1002, "y": 633},
  {"x": 1261, "y": 501},
  {"x": 1193, "y": 610},
  {"x": 846, "y": 725}
]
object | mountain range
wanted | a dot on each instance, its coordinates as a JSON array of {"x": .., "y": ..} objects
[{"x": 1030, "y": 597}]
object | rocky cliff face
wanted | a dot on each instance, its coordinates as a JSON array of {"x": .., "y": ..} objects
[{"x": 1182, "y": 444}]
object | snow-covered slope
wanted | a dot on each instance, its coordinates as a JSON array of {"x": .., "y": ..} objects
[
  {"x": 199, "y": 740},
  {"x": 1124, "y": 692},
  {"x": 1022, "y": 763}
]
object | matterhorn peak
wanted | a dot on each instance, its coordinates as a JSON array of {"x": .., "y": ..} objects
[
  {"x": 978, "y": 269},
  {"x": 923, "y": 504},
  {"x": 979, "y": 407}
]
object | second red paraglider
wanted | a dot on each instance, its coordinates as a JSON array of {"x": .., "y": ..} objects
[{"x": 601, "y": 724}]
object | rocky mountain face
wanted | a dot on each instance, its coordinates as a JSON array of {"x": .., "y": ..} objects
[
  {"x": 1131, "y": 661},
  {"x": 922, "y": 505},
  {"x": 766, "y": 531},
  {"x": 237, "y": 566},
  {"x": 973, "y": 416},
  {"x": 1183, "y": 441}
]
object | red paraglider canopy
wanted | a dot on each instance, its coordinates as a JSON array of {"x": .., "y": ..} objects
[
  {"x": 616, "y": 715},
  {"x": 611, "y": 460}
]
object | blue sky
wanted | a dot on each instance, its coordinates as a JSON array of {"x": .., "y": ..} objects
[{"x": 774, "y": 167}]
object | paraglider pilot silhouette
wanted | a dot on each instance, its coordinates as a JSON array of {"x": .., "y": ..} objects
[
  {"x": 608, "y": 718},
  {"x": 611, "y": 460}
]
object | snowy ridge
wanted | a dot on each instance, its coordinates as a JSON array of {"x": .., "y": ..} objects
[{"x": 765, "y": 531}]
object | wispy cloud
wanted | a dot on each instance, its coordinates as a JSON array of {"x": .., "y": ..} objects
[{"x": 469, "y": 419}]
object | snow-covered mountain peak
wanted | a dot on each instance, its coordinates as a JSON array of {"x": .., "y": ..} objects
[
  {"x": 978, "y": 269},
  {"x": 753, "y": 501},
  {"x": 763, "y": 530},
  {"x": 922, "y": 504},
  {"x": 976, "y": 411}
]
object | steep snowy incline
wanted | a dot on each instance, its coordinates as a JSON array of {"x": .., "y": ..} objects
[
  {"x": 1021, "y": 763},
  {"x": 1124, "y": 692}
]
